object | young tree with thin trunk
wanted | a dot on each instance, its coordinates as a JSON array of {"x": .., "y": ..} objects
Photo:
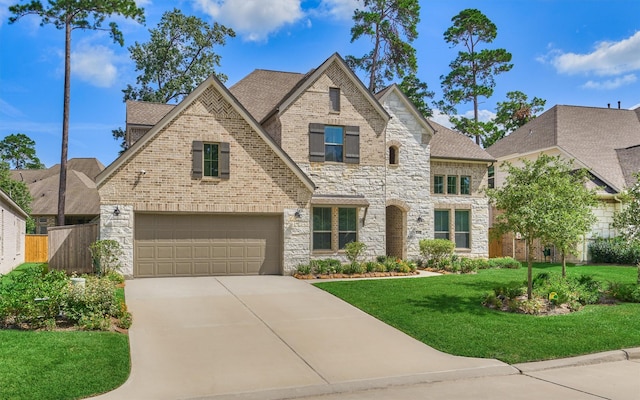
[
  {"x": 473, "y": 71},
  {"x": 392, "y": 27},
  {"x": 19, "y": 150},
  {"x": 628, "y": 219},
  {"x": 535, "y": 202},
  {"x": 71, "y": 15}
]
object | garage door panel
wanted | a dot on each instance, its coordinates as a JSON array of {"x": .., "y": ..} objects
[{"x": 172, "y": 245}]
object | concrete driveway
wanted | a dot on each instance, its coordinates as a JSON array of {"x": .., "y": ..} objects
[{"x": 269, "y": 337}]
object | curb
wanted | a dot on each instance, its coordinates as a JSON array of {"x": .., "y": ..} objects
[{"x": 589, "y": 359}]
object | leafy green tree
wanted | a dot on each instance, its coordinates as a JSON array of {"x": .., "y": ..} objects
[
  {"x": 71, "y": 15},
  {"x": 627, "y": 221},
  {"x": 417, "y": 91},
  {"x": 535, "y": 201},
  {"x": 177, "y": 58},
  {"x": 517, "y": 110},
  {"x": 20, "y": 152},
  {"x": 392, "y": 27},
  {"x": 17, "y": 191},
  {"x": 473, "y": 71}
]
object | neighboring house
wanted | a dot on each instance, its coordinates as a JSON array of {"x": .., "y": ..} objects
[
  {"x": 12, "y": 231},
  {"x": 82, "y": 201},
  {"x": 277, "y": 170},
  {"x": 605, "y": 141}
]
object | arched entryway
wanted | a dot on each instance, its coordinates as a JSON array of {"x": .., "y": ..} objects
[{"x": 396, "y": 231}]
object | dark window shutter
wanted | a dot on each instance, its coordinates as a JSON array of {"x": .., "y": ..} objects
[
  {"x": 316, "y": 142},
  {"x": 334, "y": 98},
  {"x": 352, "y": 145},
  {"x": 196, "y": 169},
  {"x": 223, "y": 160}
]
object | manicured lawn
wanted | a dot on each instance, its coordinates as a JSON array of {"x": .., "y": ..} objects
[
  {"x": 446, "y": 313},
  {"x": 61, "y": 365}
]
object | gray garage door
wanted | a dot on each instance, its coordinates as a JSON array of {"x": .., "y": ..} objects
[{"x": 192, "y": 245}]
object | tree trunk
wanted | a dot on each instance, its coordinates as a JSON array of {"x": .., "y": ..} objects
[
  {"x": 529, "y": 268},
  {"x": 564, "y": 264},
  {"x": 62, "y": 188}
]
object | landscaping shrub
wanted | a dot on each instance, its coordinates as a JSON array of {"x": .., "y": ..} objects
[
  {"x": 326, "y": 266},
  {"x": 504, "y": 262},
  {"x": 92, "y": 306},
  {"x": 626, "y": 292},
  {"x": 353, "y": 268},
  {"x": 105, "y": 255},
  {"x": 303, "y": 269},
  {"x": 354, "y": 250},
  {"x": 614, "y": 251},
  {"x": 437, "y": 252}
]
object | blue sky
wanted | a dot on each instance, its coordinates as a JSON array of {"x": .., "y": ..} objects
[{"x": 570, "y": 52}]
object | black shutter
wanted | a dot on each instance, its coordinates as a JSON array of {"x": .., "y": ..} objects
[
  {"x": 224, "y": 160},
  {"x": 352, "y": 144},
  {"x": 316, "y": 142},
  {"x": 196, "y": 169}
]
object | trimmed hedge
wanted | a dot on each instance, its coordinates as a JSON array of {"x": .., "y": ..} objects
[{"x": 614, "y": 251}]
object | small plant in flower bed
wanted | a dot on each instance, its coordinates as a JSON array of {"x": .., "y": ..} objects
[
  {"x": 34, "y": 298},
  {"x": 552, "y": 294},
  {"x": 383, "y": 266}
]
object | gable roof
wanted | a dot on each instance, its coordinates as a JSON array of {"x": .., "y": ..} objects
[
  {"x": 4, "y": 197},
  {"x": 629, "y": 159},
  {"x": 448, "y": 144},
  {"x": 588, "y": 134},
  {"x": 394, "y": 88},
  {"x": 146, "y": 113},
  {"x": 167, "y": 118},
  {"x": 82, "y": 197},
  {"x": 262, "y": 90}
]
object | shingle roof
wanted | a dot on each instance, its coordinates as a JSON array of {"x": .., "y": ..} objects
[
  {"x": 82, "y": 197},
  {"x": 590, "y": 135},
  {"x": 629, "y": 163},
  {"x": 262, "y": 90},
  {"x": 146, "y": 113},
  {"x": 452, "y": 145}
]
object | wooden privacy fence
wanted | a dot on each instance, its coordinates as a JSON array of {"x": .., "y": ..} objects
[
  {"x": 36, "y": 248},
  {"x": 69, "y": 247}
]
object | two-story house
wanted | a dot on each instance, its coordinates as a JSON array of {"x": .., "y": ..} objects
[{"x": 282, "y": 168}]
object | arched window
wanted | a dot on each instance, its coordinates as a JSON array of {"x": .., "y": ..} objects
[{"x": 393, "y": 155}]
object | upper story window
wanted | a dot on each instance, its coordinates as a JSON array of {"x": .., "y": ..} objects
[
  {"x": 334, "y": 99},
  {"x": 393, "y": 155},
  {"x": 210, "y": 160},
  {"x": 465, "y": 184},
  {"x": 211, "y": 152},
  {"x": 492, "y": 177},
  {"x": 334, "y": 143},
  {"x": 452, "y": 184},
  {"x": 438, "y": 184}
]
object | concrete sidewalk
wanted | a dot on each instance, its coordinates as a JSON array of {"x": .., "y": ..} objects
[{"x": 269, "y": 337}]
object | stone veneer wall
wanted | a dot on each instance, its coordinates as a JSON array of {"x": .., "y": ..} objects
[
  {"x": 408, "y": 182},
  {"x": 477, "y": 202},
  {"x": 119, "y": 228}
]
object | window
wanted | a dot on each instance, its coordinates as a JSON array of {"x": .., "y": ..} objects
[
  {"x": 322, "y": 228},
  {"x": 347, "y": 226},
  {"x": 211, "y": 159},
  {"x": 393, "y": 155},
  {"x": 452, "y": 184},
  {"x": 438, "y": 184},
  {"x": 465, "y": 184},
  {"x": 330, "y": 236},
  {"x": 333, "y": 143},
  {"x": 462, "y": 229},
  {"x": 334, "y": 99},
  {"x": 492, "y": 178},
  {"x": 441, "y": 219}
]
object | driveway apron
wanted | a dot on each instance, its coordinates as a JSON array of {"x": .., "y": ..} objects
[{"x": 208, "y": 336}]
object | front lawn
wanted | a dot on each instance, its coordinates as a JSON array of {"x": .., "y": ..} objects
[{"x": 446, "y": 313}]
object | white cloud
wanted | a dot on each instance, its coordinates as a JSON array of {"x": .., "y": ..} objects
[
  {"x": 338, "y": 9},
  {"x": 607, "y": 59},
  {"x": 94, "y": 64},
  {"x": 142, "y": 3},
  {"x": 255, "y": 20},
  {"x": 9, "y": 110},
  {"x": 483, "y": 115},
  {"x": 441, "y": 118},
  {"x": 611, "y": 83}
]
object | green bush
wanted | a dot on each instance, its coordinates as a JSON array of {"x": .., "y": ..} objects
[
  {"x": 303, "y": 269},
  {"x": 626, "y": 292},
  {"x": 87, "y": 305},
  {"x": 575, "y": 291},
  {"x": 614, "y": 251},
  {"x": 437, "y": 252},
  {"x": 326, "y": 266},
  {"x": 353, "y": 268},
  {"x": 504, "y": 262},
  {"x": 105, "y": 255},
  {"x": 354, "y": 250}
]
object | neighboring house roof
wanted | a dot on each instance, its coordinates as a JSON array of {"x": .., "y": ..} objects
[
  {"x": 590, "y": 135},
  {"x": 235, "y": 104},
  {"x": 629, "y": 159},
  {"x": 394, "y": 88},
  {"x": 12, "y": 204},
  {"x": 81, "y": 197},
  {"x": 448, "y": 144},
  {"x": 146, "y": 113},
  {"x": 262, "y": 90}
]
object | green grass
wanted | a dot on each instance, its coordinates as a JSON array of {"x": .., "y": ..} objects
[
  {"x": 446, "y": 313},
  {"x": 61, "y": 365}
]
